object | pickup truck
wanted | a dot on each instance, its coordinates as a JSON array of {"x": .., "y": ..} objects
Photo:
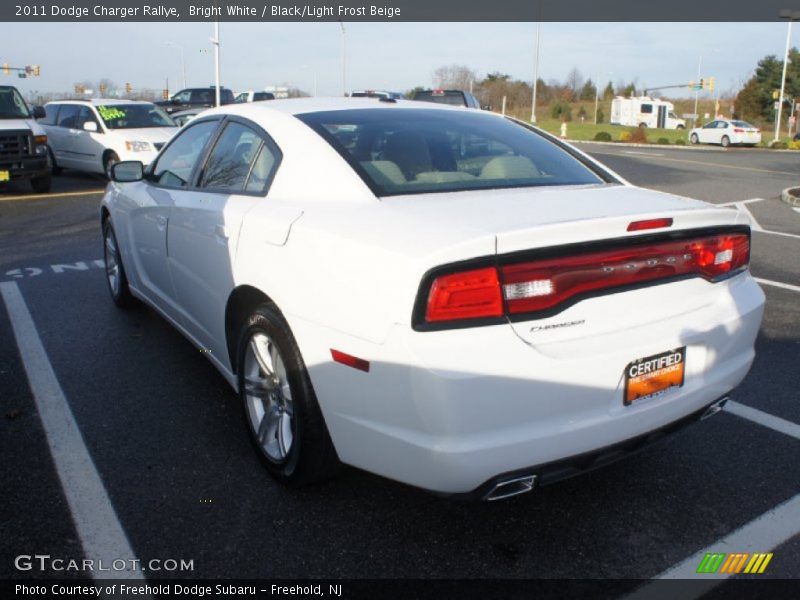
[
  {"x": 196, "y": 98},
  {"x": 23, "y": 143},
  {"x": 452, "y": 97}
]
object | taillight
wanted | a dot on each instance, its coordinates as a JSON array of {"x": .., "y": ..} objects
[
  {"x": 737, "y": 130},
  {"x": 551, "y": 283},
  {"x": 466, "y": 295}
]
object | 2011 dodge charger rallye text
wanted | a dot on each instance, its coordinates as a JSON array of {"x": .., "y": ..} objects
[{"x": 445, "y": 297}]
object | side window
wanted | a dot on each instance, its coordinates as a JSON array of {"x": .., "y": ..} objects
[
  {"x": 50, "y": 114},
  {"x": 68, "y": 116},
  {"x": 176, "y": 163},
  {"x": 722, "y": 125},
  {"x": 262, "y": 171},
  {"x": 182, "y": 97},
  {"x": 647, "y": 109},
  {"x": 229, "y": 163},
  {"x": 87, "y": 116},
  {"x": 202, "y": 97},
  {"x": 711, "y": 125}
]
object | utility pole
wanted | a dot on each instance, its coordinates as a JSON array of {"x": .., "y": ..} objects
[
  {"x": 791, "y": 15},
  {"x": 215, "y": 41},
  {"x": 344, "y": 59},
  {"x": 536, "y": 70}
]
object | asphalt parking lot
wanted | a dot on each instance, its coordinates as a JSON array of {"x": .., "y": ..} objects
[{"x": 166, "y": 437}]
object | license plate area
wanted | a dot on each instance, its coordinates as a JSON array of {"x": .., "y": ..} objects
[{"x": 654, "y": 375}]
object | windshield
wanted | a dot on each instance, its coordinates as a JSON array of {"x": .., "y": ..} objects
[
  {"x": 743, "y": 124},
  {"x": 407, "y": 151},
  {"x": 12, "y": 106},
  {"x": 133, "y": 116}
]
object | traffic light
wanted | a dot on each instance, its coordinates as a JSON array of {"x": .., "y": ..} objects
[
  {"x": 165, "y": 94},
  {"x": 775, "y": 94},
  {"x": 36, "y": 71},
  {"x": 103, "y": 89},
  {"x": 711, "y": 84},
  {"x": 6, "y": 69},
  {"x": 702, "y": 84},
  {"x": 128, "y": 88}
]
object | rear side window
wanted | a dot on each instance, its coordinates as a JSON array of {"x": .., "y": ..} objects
[
  {"x": 433, "y": 150},
  {"x": 177, "y": 162},
  {"x": 50, "y": 114},
  {"x": 240, "y": 161},
  {"x": 647, "y": 109},
  {"x": 68, "y": 116},
  {"x": 258, "y": 96},
  {"x": 203, "y": 97}
]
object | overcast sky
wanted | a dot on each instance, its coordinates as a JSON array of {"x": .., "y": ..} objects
[{"x": 395, "y": 56}]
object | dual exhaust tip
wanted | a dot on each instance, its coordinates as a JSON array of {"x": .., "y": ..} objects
[{"x": 525, "y": 483}]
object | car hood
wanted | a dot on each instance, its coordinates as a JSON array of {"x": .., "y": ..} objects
[
  {"x": 154, "y": 135},
  {"x": 6, "y": 124}
]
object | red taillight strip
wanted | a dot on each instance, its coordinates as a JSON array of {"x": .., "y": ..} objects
[
  {"x": 650, "y": 224},
  {"x": 465, "y": 296},
  {"x": 350, "y": 361}
]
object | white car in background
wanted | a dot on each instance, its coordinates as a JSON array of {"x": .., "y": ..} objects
[
  {"x": 441, "y": 296},
  {"x": 92, "y": 135},
  {"x": 726, "y": 132}
]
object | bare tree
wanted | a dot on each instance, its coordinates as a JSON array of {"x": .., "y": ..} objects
[
  {"x": 574, "y": 81},
  {"x": 457, "y": 77}
]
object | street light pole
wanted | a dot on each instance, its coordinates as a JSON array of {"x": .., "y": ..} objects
[
  {"x": 536, "y": 71},
  {"x": 215, "y": 41},
  {"x": 791, "y": 15},
  {"x": 697, "y": 90},
  {"x": 344, "y": 59}
]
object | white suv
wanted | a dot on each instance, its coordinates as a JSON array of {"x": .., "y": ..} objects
[{"x": 92, "y": 135}]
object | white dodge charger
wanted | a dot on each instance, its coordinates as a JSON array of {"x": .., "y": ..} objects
[{"x": 441, "y": 296}]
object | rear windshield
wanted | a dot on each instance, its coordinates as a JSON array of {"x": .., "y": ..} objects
[
  {"x": 743, "y": 124},
  {"x": 133, "y": 116},
  {"x": 408, "y": 151},
  {"x": 453, "y": 98}
]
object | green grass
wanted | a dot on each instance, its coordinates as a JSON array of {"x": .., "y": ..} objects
[{"x": 586, "y": 131}]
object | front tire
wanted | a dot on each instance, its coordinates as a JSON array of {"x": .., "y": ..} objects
[
  {"x": 109, "y": 161},
  {"x": 281, "y": 411},
  {"x": 115, "y": 273},
  {"x": 694, "y": 139}
]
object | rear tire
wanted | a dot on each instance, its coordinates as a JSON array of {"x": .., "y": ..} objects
[
  {"x": 281, "y": 412},
  {"x": 115, "y": 273},
  {"x": 42, "y": 185},
  {"x": 725, "y": 141},
  {"x": 694, "y": 139}
]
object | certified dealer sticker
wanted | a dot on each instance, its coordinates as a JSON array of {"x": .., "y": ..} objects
[{"x": 654, "y": 375}]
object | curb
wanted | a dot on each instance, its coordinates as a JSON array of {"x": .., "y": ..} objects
[
  {"x": 789, "y": 199},
  {"x": 704, "y": 148}
]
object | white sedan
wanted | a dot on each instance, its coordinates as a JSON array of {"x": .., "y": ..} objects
[
  {"x": 441, "y": 296},
  {"x": 725, "y": 133}
]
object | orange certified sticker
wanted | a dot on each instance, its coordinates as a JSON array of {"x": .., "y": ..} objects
[
  {"x": 5, "y": 176},
  {"x": 654, "y": 375}
]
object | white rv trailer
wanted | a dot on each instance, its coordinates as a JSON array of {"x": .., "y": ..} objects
[{"x": 644, "y": 111}]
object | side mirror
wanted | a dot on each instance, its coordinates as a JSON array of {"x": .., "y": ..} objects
[
  {"x": 38, "y": 112},
  {"x": 90, "y": 126},
  {"x": 127, "y": 171}
]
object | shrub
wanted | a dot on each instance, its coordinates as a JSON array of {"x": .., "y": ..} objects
[
  {"x": 601, "y": 116},
  {"x": 625, "y": 136},
  {"x": 602, "y": 136},
  {"x": 639, "y": 135},
  {"x": 662, "y": 141},
  {"x": 581, "y": 113},
  {"x": 794, "y": 145},
  {"x": 680, "y": 142},
  {"x": 779, "y": 145},
  {"x": 561, "y": 111}
]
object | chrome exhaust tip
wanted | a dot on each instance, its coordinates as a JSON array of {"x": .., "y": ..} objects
[
  {"x": 715, "y": 408},
  {"x": 511, "y": 487}
]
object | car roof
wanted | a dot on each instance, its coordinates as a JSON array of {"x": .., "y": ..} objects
[
  {"x": 99, "y": 101},
  {"x": 299, "y": 106}
]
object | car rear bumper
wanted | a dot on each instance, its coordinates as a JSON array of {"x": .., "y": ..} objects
[{"x": 449, "y": 411}]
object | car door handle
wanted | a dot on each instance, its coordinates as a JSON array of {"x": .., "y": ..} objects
[
  {"x": 222, "y": 233},
  {"x": 161, "y": 222}
]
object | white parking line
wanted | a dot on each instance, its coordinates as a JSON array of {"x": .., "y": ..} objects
[
  {"x": 764, "y": 419},
  {"x": 778, "y": 284},
  {"x": 755, "y": 225},
  {"x": 737, "y": 202},
  {"x": 99, "y": 529},
  {"x": 762, "y": 534}
]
